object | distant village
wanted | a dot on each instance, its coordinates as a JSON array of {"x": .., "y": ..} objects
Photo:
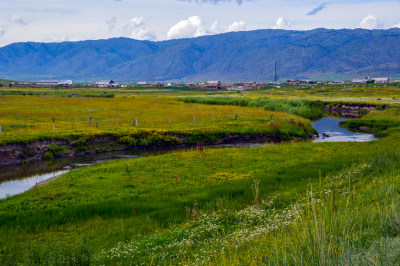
[{"x": 209, "y": 85}]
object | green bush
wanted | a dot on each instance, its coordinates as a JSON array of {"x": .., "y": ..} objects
[
  {"x": 362, "y": 112},
  {"x": 48, "y": 155},
  {"x": 55, "y": 149}
]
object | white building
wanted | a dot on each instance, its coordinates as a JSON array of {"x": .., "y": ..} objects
[
  {"x": 360, "y": 80},
  {"x": 381, "y": 80},
  {"x": 47, "y": 82},
  {"x": 65, "y": 82},
  {"x": 106, "y": 84},
  {"x": 54, "y": 82}
]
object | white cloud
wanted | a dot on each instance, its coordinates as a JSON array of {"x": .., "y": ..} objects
[
  {"x": 396, "y": 26},
  {"x": 138, "y": 30},
  {"x": 18, "y": 20},
  {"x": 237, "y": 26},
  {"x": 2, "y": 31},
  {"x": 369, "y": 22},
  {"x": 111, "y": 24},
  {"x": 65, "y": 38},
  {"x": 215, "y": 28},
  {"x": 191, "y": 27},
  {"x": 281, "y": 24}
]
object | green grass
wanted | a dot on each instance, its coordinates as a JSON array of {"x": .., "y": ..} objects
[
  {"x": 198, "y": 206},
  {"x": 89, "y": 117},
  {"x": 380, "y": 123},
  {"x": 315, "y": 203},
  {"x": 304, "y": 108}
]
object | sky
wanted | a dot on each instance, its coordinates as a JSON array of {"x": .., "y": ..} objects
[{"x": 157, "y": 20}]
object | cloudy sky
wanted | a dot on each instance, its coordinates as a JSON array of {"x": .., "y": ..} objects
[{"x": 73, "y": 20}]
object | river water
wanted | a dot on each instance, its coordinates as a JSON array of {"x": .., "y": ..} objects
[
  {"x": 334, "y": 133},
  {"x": 20, "y": 178}
]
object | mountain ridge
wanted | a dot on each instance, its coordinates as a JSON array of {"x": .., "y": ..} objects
[{"x": 233, "y": 56}]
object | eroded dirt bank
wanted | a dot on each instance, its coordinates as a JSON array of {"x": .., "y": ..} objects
[
  {"x": 351, "y": 110},
  {"x": 19, "y": 153}
]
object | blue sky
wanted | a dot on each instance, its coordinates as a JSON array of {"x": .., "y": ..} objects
[{"x": 73, "y": 20}]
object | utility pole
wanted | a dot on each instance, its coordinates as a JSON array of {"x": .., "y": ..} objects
[{"x": 275, "y": 77}]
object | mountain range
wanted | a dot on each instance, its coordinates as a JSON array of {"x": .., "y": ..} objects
[{"x": 234, "y": 56}]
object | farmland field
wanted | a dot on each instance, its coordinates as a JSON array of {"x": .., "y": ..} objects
[{"x": 296, "y": 203}]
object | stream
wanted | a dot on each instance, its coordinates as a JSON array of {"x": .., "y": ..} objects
[
  {"x": 329, "y": 131},
  {"x": 20, "y": 178}
]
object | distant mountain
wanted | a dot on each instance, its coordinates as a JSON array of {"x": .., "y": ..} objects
[{"x": 233, "y": 56}]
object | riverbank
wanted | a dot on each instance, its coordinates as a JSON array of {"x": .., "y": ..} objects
[
  {"x": 17, "y": 153},
  {"x": 351, "y": 110}
]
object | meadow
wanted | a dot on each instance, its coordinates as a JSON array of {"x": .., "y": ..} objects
[
  {"x": 297, "y": 203},
  {"x": 29, "y": 118},
  {"x": 362, "y": 93}
]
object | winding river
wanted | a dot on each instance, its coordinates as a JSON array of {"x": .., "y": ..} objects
[{"x": 20, "y": 178}]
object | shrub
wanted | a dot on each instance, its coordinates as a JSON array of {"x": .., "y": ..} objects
[
  {"x": 362, "y": 112},
  {"x": 55, "y": 149},
  {"x": 48, "y": 155}
]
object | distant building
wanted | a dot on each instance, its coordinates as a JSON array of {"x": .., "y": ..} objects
[
  {"x": 143, "y": 84},
  {"x": 214, "y": 85},
  {"x": 337, "y": 82},
  {"x": 47, "y": 83},
  {"x": 24, "y": 84},
  {"x": 106, "y": 84},
  {"x": 250, "y": 84},
  {"x": 381, "y": 80},
  {"x": 65, "y": 82},
  {"x": 360, "y": 80}
]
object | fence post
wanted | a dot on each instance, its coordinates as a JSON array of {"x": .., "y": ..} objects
[
  {"x": 54, "y": 126},
  {"x": 194, "y": 118},
  {"x": 136, "y": 122},
  {"x": 0, "y": 130}
]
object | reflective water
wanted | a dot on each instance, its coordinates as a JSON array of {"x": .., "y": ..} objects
[
  {"x": 329, "y": 131},
  {"x": 14, "y": 187},
  {"x": 20, "y": 178}
]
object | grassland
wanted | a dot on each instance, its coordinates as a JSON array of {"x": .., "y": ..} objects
[
  {"x": 372, "y": 94},
  {"x": 303, "y": 108},
  {"x": 298, "y": 203},
  {"x": 310, "y": 203},
  {"x": 29, "y": 118}
]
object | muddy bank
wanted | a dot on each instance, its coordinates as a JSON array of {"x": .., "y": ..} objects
[
  {"x": 351, "y": 110},
  {"x": 23, "y": 153}
]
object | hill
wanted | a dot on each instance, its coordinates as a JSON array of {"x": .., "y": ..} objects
[{"x": 233, "y": 56}]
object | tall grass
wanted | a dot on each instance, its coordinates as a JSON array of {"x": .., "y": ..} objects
[
  {"x": 304, "y": 108},
  {"x": 349, "y": 218}
]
